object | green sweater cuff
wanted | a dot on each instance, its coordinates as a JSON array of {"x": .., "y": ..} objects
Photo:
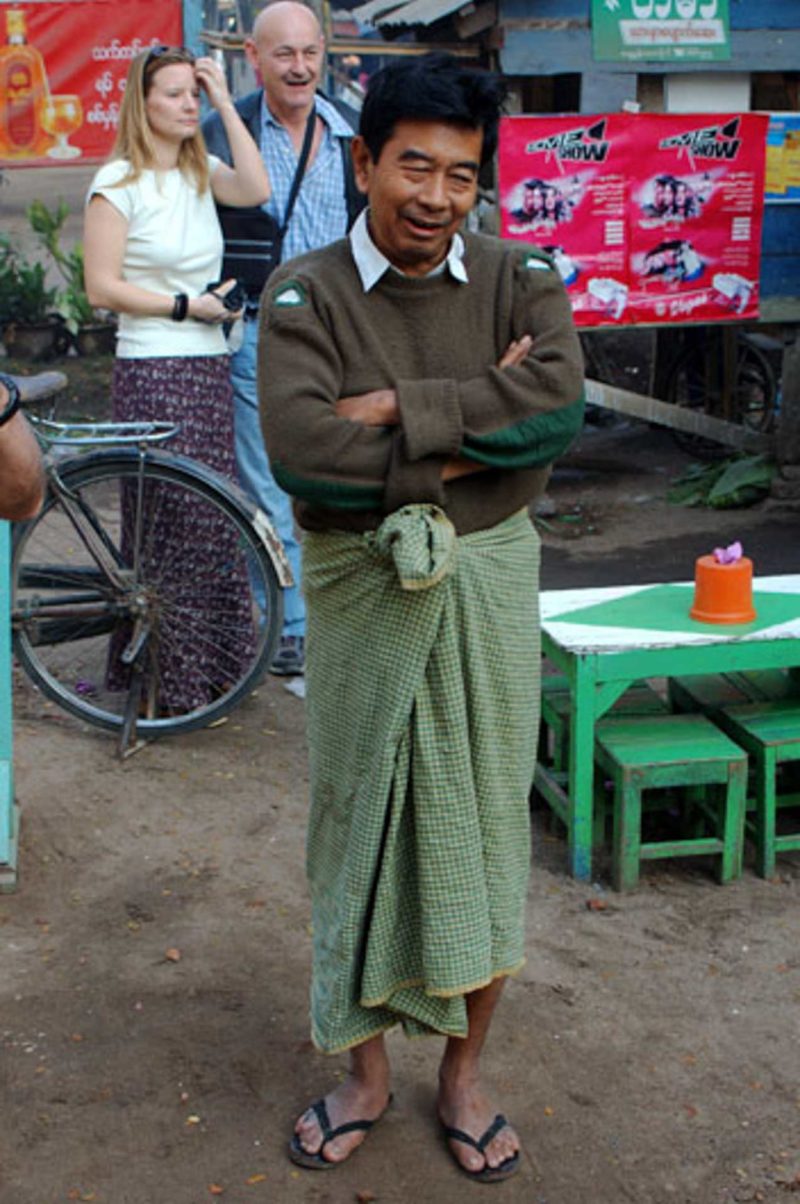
[{"x": 430, "y": 416}]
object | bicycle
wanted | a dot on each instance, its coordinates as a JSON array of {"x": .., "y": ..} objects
[
  {"x": 99, "y": 621},
  {"x": 728, "y": 375}
]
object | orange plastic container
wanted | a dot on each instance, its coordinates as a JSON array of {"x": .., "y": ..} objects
[{"x": 723, "y": 593}]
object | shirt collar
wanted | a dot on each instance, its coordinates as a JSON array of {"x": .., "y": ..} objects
[
  {"x": 372, "y": 264},
  {"x": 328, "y": 112}
]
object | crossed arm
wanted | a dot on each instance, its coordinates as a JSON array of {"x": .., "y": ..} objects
[
  {"x": 332, "y": 445},
  {"x": 379, "y": 408}
]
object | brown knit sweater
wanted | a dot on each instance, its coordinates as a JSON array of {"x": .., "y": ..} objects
[{"x": 436, "y": 341}]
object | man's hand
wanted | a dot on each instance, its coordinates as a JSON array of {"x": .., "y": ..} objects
[
  {"x": 376, "y": 408},
  {"x": 460, "y": 466},
  {"x": 515, "y": 352}
]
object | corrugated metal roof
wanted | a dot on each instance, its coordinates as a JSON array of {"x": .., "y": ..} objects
[
  {"x": 423, "y": 12},
  {"x": 369, "y": 13}
]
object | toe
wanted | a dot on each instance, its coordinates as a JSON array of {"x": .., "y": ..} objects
[
  {"x": 335, "y": 1151},
  {"x": 504, "y": 1146},
  {"x": 470, "y": 1159},
  {"x": 309, "y": 1133}
]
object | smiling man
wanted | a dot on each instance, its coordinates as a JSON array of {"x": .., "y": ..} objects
[
  {"x": 287, "y": 51},
  {"x": 416, "y": 383}
]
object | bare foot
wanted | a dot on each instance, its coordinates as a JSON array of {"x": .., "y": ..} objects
[
  {"x": 463, "y": 1105},
  {"x": 351, "y": 1100}
]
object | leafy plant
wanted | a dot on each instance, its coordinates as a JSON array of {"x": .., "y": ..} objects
[
  {"x": 739, "y": 481},
  {"x": 24, "y": 295},
  {"x": 48, "y": 226}
]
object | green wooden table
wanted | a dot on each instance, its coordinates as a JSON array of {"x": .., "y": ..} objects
[{"x": 605, "y": 640}]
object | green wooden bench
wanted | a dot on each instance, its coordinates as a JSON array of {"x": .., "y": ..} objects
[
  {"x": 759, "y": 711},
  {"x": 710, "y": 692},
  {"x": 770, "y": 732},
  {"x": 660, "y": 751},
  {"x": 557, "y": 712}
]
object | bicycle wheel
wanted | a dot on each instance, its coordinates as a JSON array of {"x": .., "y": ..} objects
[
  {"x": 158, "y": 579},
  {"x": 690, "y": 384}
]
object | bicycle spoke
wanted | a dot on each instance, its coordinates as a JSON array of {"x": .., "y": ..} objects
[{"x": 182, "y": 602}]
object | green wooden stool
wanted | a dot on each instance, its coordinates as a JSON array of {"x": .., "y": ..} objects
[
  {"x": 673, "y": 750},
  {"x": 557, "y": 712},
  {"x": 552, "y": 684},
  {"x": 770, "y": 731},
  {"x": 710, "y": 692}
]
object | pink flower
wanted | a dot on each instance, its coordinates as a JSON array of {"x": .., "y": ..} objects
[{"x": 728, "y": 555}]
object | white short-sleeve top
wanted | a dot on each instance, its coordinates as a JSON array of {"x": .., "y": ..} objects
[{"x": 174, "y": 245}]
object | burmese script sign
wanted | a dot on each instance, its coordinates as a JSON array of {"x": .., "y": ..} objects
[
  {"x": 661, "y": 30},
  {"x": 648, "y": 217},
  {"x": 62, "y": 74}
]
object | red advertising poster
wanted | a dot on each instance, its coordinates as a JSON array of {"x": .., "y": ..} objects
[
  {"x": 563, "y": 184},
  {"x": 695, "y": 212},
  {"x": 62, "y": 74},
  {"x": 649, "y": 217}
]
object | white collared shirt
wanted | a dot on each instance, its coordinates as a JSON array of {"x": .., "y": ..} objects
[{"x": 372, "y": 264}]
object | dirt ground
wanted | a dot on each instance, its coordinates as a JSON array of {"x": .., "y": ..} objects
[
  {"x": 153, "y": 1034},
  {"x": 647, "y": 1052}
]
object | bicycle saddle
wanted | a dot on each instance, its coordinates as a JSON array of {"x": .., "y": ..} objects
[{"x": 38, "y": 387}]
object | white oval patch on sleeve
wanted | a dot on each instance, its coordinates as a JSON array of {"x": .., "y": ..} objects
[{"x": 290, "y": 295}]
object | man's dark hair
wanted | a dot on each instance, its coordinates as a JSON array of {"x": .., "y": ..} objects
[{"x": 434, "y": 87}]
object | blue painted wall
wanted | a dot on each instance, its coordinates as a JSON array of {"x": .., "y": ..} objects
[
  {"x": 765, "y": 14},
  {"x": 193, "y": 25},
  {"x": 780, "y": 250},
  {"x": 559, "y": 51},
  {"x": 765, "y": 36},
  {"x": 745, "y": 14}
]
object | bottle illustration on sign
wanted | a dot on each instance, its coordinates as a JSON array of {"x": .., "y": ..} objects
[{"x": 32, "y": 122}]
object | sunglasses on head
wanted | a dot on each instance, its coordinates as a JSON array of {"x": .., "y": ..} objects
[{"x": 158, "y": 52}]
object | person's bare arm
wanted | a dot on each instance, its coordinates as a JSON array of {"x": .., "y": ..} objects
[
  {"x": 376, "y": 408},
  {"x": 21, "y": 476},
  {"x": 105, "y": 235},
  {"x": 245, "y": 182}
]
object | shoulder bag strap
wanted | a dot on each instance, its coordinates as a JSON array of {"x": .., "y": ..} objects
[{"x": 298, "y": 177}]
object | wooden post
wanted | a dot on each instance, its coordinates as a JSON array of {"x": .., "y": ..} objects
[
  {"x": 788, "y": 442},
  {"x": 8, "y": 814}
]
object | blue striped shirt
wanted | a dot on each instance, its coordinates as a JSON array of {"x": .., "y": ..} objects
[{"x": 320, "y": 211}]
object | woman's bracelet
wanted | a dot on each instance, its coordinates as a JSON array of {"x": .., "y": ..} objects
[{"x": 180, "y": 307}]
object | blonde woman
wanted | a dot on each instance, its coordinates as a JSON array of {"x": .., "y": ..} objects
[{"x": 152, "y": 246}]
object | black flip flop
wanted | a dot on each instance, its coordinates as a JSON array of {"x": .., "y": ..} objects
[
  {"x": 317, "y": 1162},
  {"x": 487, "y": 1174}
]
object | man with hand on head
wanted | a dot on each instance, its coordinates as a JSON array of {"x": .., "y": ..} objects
[
  {"x": 286, "y": 48},
  {"x": 416, "y": 383}
]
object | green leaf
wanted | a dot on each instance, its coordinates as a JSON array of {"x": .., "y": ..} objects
[{"x": 743, "y": 482}]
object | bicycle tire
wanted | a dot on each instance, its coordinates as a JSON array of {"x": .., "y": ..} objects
[
  {"x": 753, "y": 400},
  {"x": 69, "y": 620}
]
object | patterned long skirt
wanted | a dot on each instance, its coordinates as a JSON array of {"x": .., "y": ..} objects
[{"x": 191, "y": 553}]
